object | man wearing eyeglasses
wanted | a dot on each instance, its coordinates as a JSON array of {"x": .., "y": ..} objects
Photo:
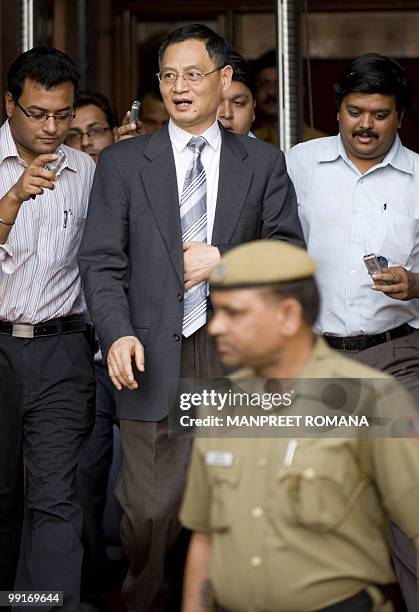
[
  {"x": 94, "y": 125},
  {"x": 163, "y": 208},
  {"x": 46, "y": 373}
]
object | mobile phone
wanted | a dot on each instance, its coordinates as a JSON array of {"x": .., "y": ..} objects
[
  {"x": 374, "y": 266},
  {"x": 135, "y": 111},
  {"x": 55, "y": 164}
]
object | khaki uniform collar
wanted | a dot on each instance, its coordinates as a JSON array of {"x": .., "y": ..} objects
[{"x": 319, "y": 354}]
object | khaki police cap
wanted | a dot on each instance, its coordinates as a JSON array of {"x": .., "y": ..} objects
[{"x": 263, "y": 262}]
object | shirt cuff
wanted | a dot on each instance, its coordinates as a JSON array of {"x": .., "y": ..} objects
[{"x": 7, "y": 262}]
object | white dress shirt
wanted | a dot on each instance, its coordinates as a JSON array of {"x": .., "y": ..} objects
[
  {"x": 210, "y": 158},
  {"x": 346, "y": 215},
  {"x": 39, "y": 276}
]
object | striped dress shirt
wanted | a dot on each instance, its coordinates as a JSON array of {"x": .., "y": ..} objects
[{"x": 39, "y": 276}]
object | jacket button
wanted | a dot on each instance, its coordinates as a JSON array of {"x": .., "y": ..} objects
[
  {"x": 176, "y": 337},
  {"x": 180, "y": 297}
]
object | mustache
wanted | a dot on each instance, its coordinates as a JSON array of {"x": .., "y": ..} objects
[{"x": 368, "y": 133}]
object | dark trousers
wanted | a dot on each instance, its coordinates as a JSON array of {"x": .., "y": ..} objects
[
  {"x": 92, "y": 479},
  {"x": 150, "y": 491},
  {"x": 47, "y": 410},
  {"x": 11, "y": 466},
  {"x": 400, "y": 358}
]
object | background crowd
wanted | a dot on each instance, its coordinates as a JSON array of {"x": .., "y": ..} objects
[{"x": 105, "y": 274}]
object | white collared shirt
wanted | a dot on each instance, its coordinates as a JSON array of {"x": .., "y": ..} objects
[
  {"x": 39, "y": 276},
  {"x": 210, "y": 158},
  {"x": 346, "y": 215}
]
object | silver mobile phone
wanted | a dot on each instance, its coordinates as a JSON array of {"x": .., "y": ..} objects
[
  {"x": 373, "y": 266},
  {"x": 135, "y": 111},
  {"x": 55, "y": 164}
]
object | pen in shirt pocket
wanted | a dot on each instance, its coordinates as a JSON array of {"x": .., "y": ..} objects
[{"x": 66, "y": 213}]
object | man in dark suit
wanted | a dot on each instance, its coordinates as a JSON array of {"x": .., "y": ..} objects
[{"x": 163, "y": 208}]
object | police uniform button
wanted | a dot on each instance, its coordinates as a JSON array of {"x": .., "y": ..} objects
[
  {"x": 309, "y": 473},
  {"x": 262, "y": 462},
  {"x": 255, "y": 561},
  {"x": 257, "y": 512}
]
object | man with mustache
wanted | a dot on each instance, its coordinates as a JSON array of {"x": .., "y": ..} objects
[
  {"x": 94, "y": 126},
  {"x": 280, "y": 521},
  {"x": 357, "y": 195}
]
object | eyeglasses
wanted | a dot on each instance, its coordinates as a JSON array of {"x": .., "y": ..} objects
[
  {"x": 75, "y": 137},
  {"x": 43, "y": 117},
  {"x": 169, "y": 77}
]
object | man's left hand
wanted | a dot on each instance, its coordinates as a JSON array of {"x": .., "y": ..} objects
[
  {"x": 129, "y": 130},
  {"x": 198, "y": 259},
  {"x": 404, "y": 284}
]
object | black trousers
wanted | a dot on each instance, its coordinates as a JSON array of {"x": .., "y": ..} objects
[
  {"x": 47, "y": 391},
  {"x": 92, "y": 480}
]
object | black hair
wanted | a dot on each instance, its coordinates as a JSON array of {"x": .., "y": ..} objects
[
  {"x": 267, "y": 60},
  {"x": 45, "y": 65},
  {"x": 217, "y": 48},
  {"x": 242, "y": 71},
  {"x": 375, "y": 73},
  {"x": 305, "y": 291},
  {"x": 151, "y": 89},
  {"x": 84, "y": 98}
]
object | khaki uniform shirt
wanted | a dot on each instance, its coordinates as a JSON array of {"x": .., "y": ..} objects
[{"x": 307, "y": 534}]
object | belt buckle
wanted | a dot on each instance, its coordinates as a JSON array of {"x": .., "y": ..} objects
[{"x": 23, "y": 330}]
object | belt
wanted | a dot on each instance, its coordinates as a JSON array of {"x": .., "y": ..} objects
[
  {"x": 359, "y": 343},
  {"x": 54, "y": 327},
  {"x": 361, "y": 602}
]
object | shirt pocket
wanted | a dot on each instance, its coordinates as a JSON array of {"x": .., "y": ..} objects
[
  {"x": 224, "y": 483},
  {"x": 71, "y": 232},
  {"x": 396, "y": 234},
  {"x": 319, "y": 491}
]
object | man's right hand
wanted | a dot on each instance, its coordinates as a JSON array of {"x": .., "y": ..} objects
[
  {"x": 119, "y": 361},
  {"x": 34, "y": 179}
]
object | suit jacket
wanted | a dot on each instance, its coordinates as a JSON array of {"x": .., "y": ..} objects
[{"x": 131, "y": 257}]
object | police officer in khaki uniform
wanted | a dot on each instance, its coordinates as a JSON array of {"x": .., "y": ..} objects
[{"x": 291, "y": 525}]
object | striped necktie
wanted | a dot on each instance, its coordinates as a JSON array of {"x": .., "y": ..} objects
[{"x": 193, "y": 217}]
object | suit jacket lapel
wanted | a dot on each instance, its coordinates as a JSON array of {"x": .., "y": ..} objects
[
  {"x": 233, "y": 184},
  {"x": 160, "y": 183}
]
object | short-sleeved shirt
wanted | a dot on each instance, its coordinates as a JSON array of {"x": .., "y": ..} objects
[
  {"x": 296, "y": 536},
  {"x": 346, "y": 215}
]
